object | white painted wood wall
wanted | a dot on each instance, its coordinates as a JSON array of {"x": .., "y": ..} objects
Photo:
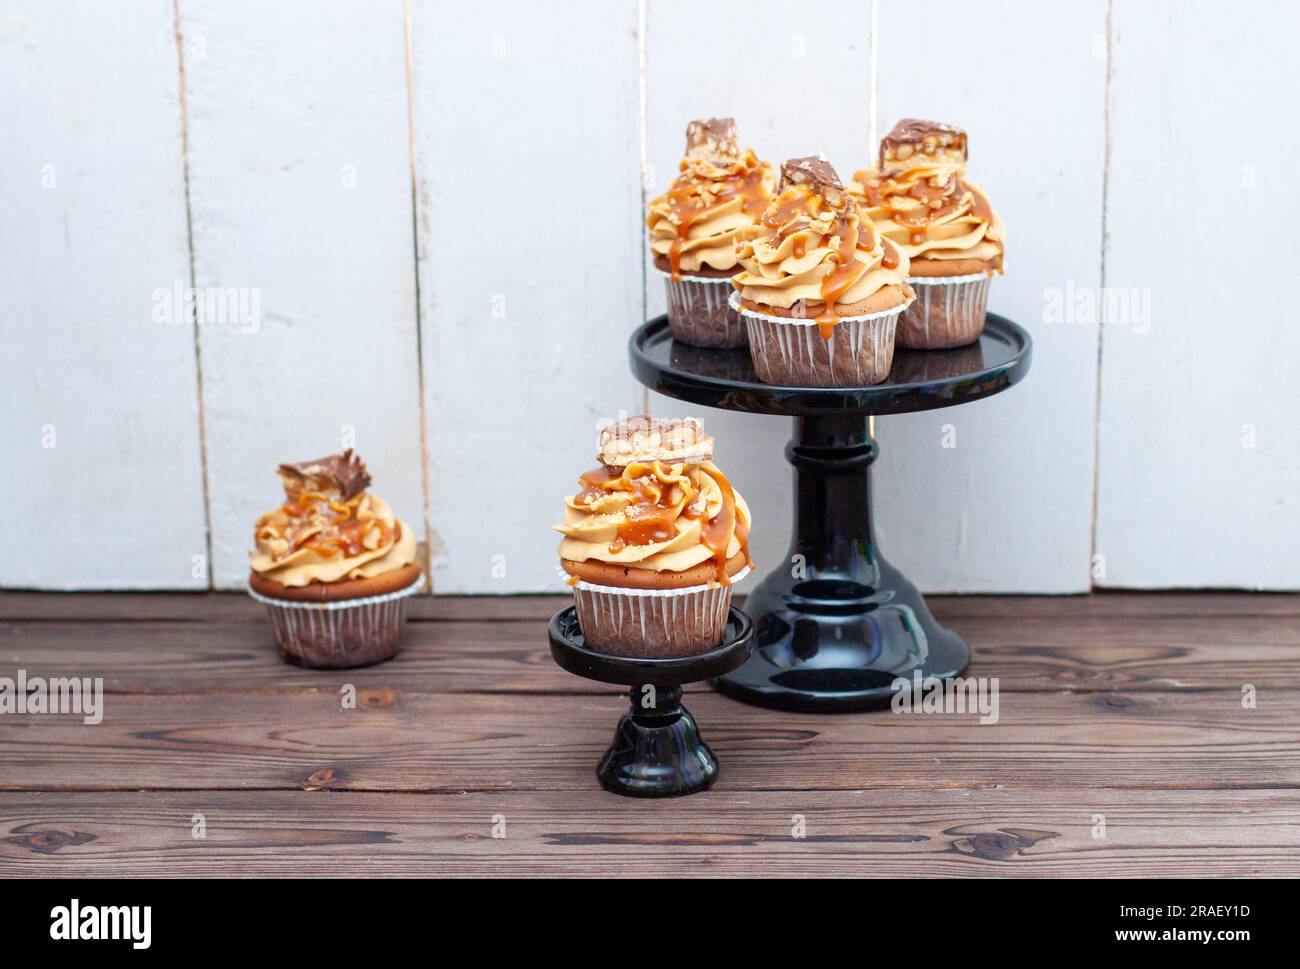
[{"x": 439, "y": 211}]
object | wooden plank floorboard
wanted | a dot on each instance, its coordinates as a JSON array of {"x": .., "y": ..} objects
[
  {"x": 847, "y": 833},
  {"x": 1122, "y": 705},
  {"x": 1115, "y": 607},
  {"x": 455, "y": 656},
  {"x": 401, "y": 741}
]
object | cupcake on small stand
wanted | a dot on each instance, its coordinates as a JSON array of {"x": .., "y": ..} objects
[
  {"x": 820, "y": 290},
  {"x": 693, "y": 229},
  {"x": 920, "y": 199},
  {"x": 334, "y": 566},
  {"x": 653, "y": 541}
]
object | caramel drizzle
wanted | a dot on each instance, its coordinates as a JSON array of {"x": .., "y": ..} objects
[
  {"x": 652, "y": 516},
  {"x": 846, "y": 272},
  {"x": 924, "y": 192},
  {"x": 792, "y": 212},
  {"x": 687, "y": 203},
  {"x": 879, "y": 193},
  {"x": 980, "y": 207},
  {"x": 983, "y": 211},
  {"x": 337, "y": 531},
  {"x": 716, "y": 535},
  {"x": 593, "y": 485},
  {"x": 889, "y": 260},
  {"x": 780, "y": 216},
  {"x": 871, "y": 194}
]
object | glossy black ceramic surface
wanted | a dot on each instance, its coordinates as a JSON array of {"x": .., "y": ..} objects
[
  {"x": 657, "y": 749},
  {"x": 918, "y": 379},
  {"x": 835, "y": 625}
]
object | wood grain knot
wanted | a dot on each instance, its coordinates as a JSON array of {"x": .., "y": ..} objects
[
  {"x": 48, "y": 842},
  {"x": 1000, "y": 845},
  {"x": 322, "y": 779},
  {"x": 376, "y": 699}
]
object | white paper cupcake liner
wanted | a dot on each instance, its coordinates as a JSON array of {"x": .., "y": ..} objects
[
  {"x": 792, "y": 353},
  {"x": 948, "y": 312},
  {"x": 653, "y": 622},
  {"x": 700, "y": 313},
  {"x": 336, "y": 635}
]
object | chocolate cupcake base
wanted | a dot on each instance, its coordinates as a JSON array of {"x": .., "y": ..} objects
[
  {"x": 948, "y": 312},
  {"x": 341, "y": 634},
  {"x": 792, "y": 352},
  {"x": 653, "y": 623},
  {"x": 700, "y": 314}
]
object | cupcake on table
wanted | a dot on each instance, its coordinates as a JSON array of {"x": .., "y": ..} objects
[
  {"x": 334, "y": 566},
  {"x": 653, "y": 540},
  {"x": 693, "y": 229},
  {"x": 920, "y": 199},
  {"x": 820, "y": 290}
]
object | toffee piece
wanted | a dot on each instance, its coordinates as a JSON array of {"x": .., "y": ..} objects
[
  {"x": 819, "y": 176},
  {"x": 714, "y": 140},
  {"x": 642, "y": 440},
  {"x": 338, "y": 475},
  {"x": 938, "y": 142}
]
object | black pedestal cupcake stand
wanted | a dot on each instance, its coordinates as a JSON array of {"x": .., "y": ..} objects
[
  {"x": 657, "y": 749},
  {"x": 835, "y": 624}
]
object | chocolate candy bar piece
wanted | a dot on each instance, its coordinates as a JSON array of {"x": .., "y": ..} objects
[
  {"x": 339, "y": 475},
  {"x": 712, "y": 140},
  {"x": 640, "y": 440},
  {"x": 915, "y": 142},
  {"x": 818, "y": 175}
]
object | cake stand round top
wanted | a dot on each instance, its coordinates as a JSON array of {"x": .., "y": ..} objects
[{"x": 918, "y": 380}]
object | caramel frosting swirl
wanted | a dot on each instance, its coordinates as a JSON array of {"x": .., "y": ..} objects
[
  {"x": 932, "y": 211},
  {"x": 656, "y": 515},
  {"x": 317, "y": 536},
  {"x": 696, "y": 223},
  {"x": 805, "y": 249}
]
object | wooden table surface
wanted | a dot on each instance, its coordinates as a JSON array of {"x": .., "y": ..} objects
[{"x": 1117, "y": 709}]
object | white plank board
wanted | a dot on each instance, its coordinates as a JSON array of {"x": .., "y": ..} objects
[
  {"x": 300, "y": 191},
  {"x": 1200, "y": 446},
  {"x": 92, "y": 210},
  {"x": 300, "y": 188},
  {"x": 530, "y": 269},
  {"x": 1009, "y": 507},
  {"x": 796, "y": 88}
]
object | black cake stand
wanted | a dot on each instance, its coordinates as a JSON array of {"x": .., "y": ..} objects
[
  {"x": 835, "y": 624},
  {"x": 657, "y": 749}
]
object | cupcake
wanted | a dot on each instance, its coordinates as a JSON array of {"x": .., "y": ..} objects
[
  {"x": 820, "y": 290},
  {"x": 653, "y": 540},
  {"x": 694, "y": 226},
  {"x": 334, "y": 566},
  {"x": 919, "y": 199}
]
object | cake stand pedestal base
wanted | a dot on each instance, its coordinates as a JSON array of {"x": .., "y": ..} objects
[
  {"x": 835, "y": 625},
  {"x": 657, "y": 752},
  {"x": 657, "y": 749}
]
